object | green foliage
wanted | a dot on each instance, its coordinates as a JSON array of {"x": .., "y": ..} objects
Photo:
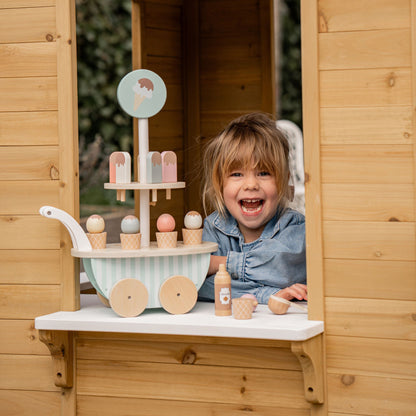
[
  {"x": 104, "y": 57},
  {"x": 290, "y": 63}
]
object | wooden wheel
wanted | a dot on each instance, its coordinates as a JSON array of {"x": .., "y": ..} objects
[
  {"x": 178, "y": 294},
  {"x": 129, "y": 298}
]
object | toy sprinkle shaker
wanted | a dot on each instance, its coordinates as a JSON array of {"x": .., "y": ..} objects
[{"x": 222, "y": 283}]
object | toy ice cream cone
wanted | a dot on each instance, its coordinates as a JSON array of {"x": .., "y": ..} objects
[
  {"x": 98, "y": 240},
  {"x": 167, "y": 239},
  {"x": 242, "y": 308},
  {"x": 143, "y": 89},
  {"x": 130, "y": 241},
  {"x": 192, "y": 237}
]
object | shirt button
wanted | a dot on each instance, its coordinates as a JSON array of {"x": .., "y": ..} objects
[{"x": 234, "y": 275}]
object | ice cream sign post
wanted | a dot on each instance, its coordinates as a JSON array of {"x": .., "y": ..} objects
[{"x": 142, "y": 94}]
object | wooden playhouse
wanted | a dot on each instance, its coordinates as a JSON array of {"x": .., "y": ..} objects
[{"x": 216, "y": 57}]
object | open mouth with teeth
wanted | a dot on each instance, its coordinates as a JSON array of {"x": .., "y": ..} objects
[{"x": 251, "y": 206}]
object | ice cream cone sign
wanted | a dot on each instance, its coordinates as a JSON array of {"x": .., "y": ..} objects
[{"x": 141, "y": 93}]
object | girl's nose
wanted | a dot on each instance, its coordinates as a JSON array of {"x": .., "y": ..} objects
[{"x": 251, "y": 182}]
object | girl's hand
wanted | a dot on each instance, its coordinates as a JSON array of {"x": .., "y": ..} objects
[
  {"x": 297, "y": 291},
  {"x": 214, "y": 264}
]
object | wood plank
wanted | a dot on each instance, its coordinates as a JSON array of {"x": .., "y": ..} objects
[
  {"x": 28, "y": 59},
  {"x": 188, "y": 353},
  {"x": 35, "y": 24},
  {"x": 104, "y": 406},
  {"x": 26, "y": 372},
  {"x": 232, "y": 96},
  {"x": 341, "y": 16},
  {"x": 371, "y": 125},
  {"x": 28, "y": 94},
  {"x": 367, "y": 164},
  {"x": 163, "y": 43},
  {"x": 29, "y": 128},
  {"x": 370, "y": 279},
  {"x": 14, "y": 4},
  {"x": 370, "y": 49},
  {"x": 28, "y": 301},
  {"x": 365, "y": 87},
  {"x": 221, "y": 18},
  {"x": 369, "y": 356},
  {"x": 312, "y": 160},
  {"x": 191, "y": 383},
  {"x": 30, "y": 266},
  {"x": 168, "y": 68},
  {"x": 369, "y": 240},
  {"x": 372, "y": 396},
  {"x": 370, "y": 318},
  {"x": 29, "y": 163},
  {"x": 368, "y": 202},
  {"x": 166, "y": 124},
  {"x": 163, "y": 16},
  {"x": 22, "y": 338},
  {"x": 24, "y": 197},
  {"x": 30, "y": 233},
  {"x": 231, "y": 48},
  {"x": 33, "y": 403}
]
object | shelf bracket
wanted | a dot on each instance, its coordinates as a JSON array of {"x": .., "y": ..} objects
[
  {"x": 310, "y": 356},
  {"x": 60, "y": 346}
]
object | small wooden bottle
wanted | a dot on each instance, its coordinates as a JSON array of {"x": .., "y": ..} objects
[{"x": 222, "y": 285}]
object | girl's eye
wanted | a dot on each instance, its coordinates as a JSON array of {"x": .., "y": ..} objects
[
  {"x": 264, "y": 173},
  {"x": 236, "y": 174}
]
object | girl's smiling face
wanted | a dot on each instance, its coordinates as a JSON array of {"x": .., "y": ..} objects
[{"x": 251, "y": 197}]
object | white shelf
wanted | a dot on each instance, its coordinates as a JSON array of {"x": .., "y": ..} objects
[
  {"x": 138, "y": 185},
  {"x": 201, "y": 321}
]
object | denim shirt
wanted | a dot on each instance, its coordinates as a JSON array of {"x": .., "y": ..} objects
[{"x": 274, "y": 261}]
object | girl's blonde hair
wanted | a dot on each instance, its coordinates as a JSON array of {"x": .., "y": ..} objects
[{"x": 252, "y": 140}]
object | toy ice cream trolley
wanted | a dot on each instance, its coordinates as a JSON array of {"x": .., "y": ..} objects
[{"x": 150, "y": 276}]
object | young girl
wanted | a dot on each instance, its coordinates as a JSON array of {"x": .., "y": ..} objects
[{"x": 260, "y": 240}]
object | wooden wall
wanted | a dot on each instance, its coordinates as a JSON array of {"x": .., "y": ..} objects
[
  {"x": 217, "y": 62},
  {"x": 38, "y": 155},
  {"x": 359, "y": 63}
]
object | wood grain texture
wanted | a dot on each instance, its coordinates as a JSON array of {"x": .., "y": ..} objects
[
  {"x": 28, "y": 301},
  {"x": 188, "y": 353},
  {"x": 29, "y": 128},
  {"x": 370, "y": 318},
  {"x": 370, "y": 279},
  {"x": 354, "y": 355},
  {"x": 341, "y": 16},
  {"x": 369, "y": 240},
  {"x": 26, "y": 197},
  {"x": 22, "y": 338},
  {"x": 367, "y": 164},
  {"x": 26, "y": 372},
  {"x": 191, "y": 383},
  {"x": 28, "y": 59},
  {"x": 370, "y": 49},
  {"x": 368, "y": 202},
  {"x": 365, "y": 87},
  {"x": 29, "y": 233},
  {"x": 30, "y": 266},
  {"x": 88, "y": 405},
  {"x": 14, "y": 4},
  {"x": 367, "y": 125},
  {"x": 35, "y": 24},
  {"x": 34, "y": 403},
  {"x": 28, "y": 94},
  {"x": 372, "y": 396}
]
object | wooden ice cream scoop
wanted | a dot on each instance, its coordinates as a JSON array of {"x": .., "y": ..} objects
[{"x": 279, "y": 306}]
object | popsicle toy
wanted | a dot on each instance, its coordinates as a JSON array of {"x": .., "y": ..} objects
[
  {"x": 120, "y": 171},
  {"x": 169, "y": 166}
]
